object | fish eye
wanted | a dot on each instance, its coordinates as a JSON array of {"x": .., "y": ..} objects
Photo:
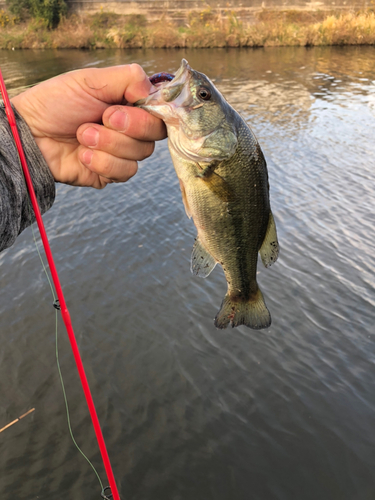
[{"x": 204, "y": 94}]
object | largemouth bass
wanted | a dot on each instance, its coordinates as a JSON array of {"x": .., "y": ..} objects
[{"x": 224, "y": 185}]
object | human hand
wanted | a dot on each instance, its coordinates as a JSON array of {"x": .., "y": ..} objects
[{"x": 85, "y": 132}]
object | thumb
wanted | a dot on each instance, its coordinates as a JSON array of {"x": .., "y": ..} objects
[{"x": 116, "y": 84}]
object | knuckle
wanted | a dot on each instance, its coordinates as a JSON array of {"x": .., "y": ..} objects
[
  {"x": 132, "y": 169},
  {"x": 149, "y": 149},
  {"x": 136, "y": 70},
  {"x": 105, "y": 169}
]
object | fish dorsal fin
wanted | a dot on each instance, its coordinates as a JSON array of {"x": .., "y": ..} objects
[
  {"x": 184, "y": 199},
  {"x": 202, "y": 263},
  {"x": 269, "y": 251}
]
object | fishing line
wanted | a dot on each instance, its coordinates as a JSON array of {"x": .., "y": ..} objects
[
  {"x": 57, "y": 307},
  {"x": 61, "y": 305},
  {"x": 55, "y": 302}
]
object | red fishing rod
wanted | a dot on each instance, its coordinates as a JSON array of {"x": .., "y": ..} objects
[{"x": 64, "y": 310}]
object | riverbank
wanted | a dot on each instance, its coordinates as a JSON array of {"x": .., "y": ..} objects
[{"x": 203, "y": 29}]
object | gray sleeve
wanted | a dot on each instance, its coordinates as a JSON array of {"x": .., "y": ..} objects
[{"x": 15, "y": 211}]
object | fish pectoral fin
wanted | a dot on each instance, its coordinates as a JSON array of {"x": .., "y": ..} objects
[
  {"x": 219, "y": 145},
  {"x": 184, "y": 199},
  {"x": 216, "y": 184},
  {"x": 269, "y": 251},
  {"x": 202, "y": 262}
]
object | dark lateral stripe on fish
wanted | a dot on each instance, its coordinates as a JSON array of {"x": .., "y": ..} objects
[{"x": 161, "y": 77}]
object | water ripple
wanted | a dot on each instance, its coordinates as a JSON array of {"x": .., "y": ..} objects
[{"x": 189, "y": 411}]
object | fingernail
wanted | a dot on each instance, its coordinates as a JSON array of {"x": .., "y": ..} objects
[
  {"x": 87, "y": 156},
  {"x": 119, "y": 121},
  {"x": 90, "y": 137}
]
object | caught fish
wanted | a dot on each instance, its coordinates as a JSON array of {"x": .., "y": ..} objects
[{"x": 224, "y": 185}]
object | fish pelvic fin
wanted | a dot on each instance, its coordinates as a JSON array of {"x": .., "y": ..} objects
[
  {"x": 252, "y": 313},
  {"x": 269, "y": 251},
  {"x": 202, "y": 262}
]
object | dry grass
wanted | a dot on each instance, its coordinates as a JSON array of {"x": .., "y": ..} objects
[
  {"x": 348, "y": 29},
  {"x": 202, "y": 29}
]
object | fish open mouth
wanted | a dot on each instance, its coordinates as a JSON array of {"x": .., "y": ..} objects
[
  {"x": 161, "y": 78},
  {"x": 167, "y": 87},
  {"x": 168, "y": 77}
]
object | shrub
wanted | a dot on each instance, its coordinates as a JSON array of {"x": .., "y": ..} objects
[
  {"x": 104, "y": 19},
  {"x": 20, "y": 8},
  {"x": 50, "y": 11},
  {"x": 7, "y": 19}
]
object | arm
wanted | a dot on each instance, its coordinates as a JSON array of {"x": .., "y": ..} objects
[{"x": 15, "y": 209}]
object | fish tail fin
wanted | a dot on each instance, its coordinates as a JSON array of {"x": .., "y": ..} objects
[{"x": 252, "y": 313}]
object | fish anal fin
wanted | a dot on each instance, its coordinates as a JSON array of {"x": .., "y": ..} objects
[
  {"x": 252, "y": 313},
  {"x": 184, "y": 199},
  {"x": 269, "y": 251},
  {"x": 202, "y": 262}
]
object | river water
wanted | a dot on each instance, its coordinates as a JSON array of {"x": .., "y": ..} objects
[{"x": 190, "y": 412}]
